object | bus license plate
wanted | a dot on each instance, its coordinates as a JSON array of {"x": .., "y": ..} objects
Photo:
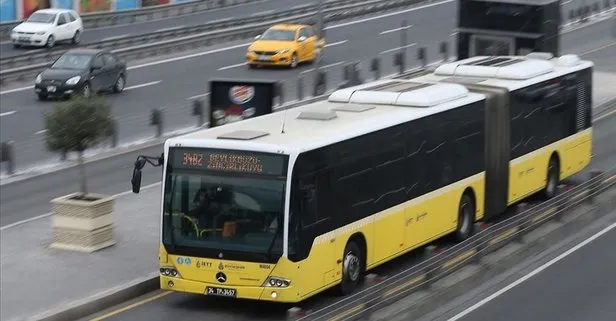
[{"x": 221, "y": 292}]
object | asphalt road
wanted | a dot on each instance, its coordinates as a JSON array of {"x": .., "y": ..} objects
[
  {"x": 235, "y": 12},
  {"x": 171, "y": 85},
  {"x": 579, "y": 287}
]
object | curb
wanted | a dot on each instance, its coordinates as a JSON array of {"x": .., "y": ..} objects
[{"x": 101, "y": 301}]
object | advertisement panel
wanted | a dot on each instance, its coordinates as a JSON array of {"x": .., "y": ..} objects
[
  {"x": 30, "y": 6},
  {"x": 63, "y": 4},
  {"x": 234, "y": 100},
  {"x": 126, "y": 4},
  {"x": 87, "y": 6},
  {"x": 8, "y": 10},
  {"x": 150, "y": 3}
]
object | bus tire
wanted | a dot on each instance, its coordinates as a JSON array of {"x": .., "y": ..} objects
[
  {"x": 466, "y": 218},
  {"x": 352, "y": 268},
  {"x": 552, "y": 179}
]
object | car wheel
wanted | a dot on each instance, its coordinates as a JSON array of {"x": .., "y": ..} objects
[
  {"x": 252, "y": 66},
  {"x": 119, "y": 84},
  {"x": 51, "y": 41},
  {"x": 294, "y": 61},
  {"x": 42, "y": 97},
  {"x": 16, "y": 46},
  {"x": 86, "y": 91},
  {"x": 76, "y": 37}
]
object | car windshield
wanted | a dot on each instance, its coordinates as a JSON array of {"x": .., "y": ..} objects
[
  {"x": 72, "y": 61},
  {"x": 40, "y": 17},
  {"x": 277, "y": 34},
  {"x": 224, "y": 213}
]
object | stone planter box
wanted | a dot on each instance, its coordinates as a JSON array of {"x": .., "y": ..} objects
[{"x": 82, "y": 224}]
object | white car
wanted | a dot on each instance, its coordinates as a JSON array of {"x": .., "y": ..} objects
[{"x": 46, "y": 27}]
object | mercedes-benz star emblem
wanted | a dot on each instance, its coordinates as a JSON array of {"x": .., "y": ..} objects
[{"x": 221, "y": 277}]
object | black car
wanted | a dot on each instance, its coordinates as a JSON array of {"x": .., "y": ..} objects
[{"x": 82, "y": 71}]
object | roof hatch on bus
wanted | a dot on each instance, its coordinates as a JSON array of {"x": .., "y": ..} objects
[
  {"x": 401, "y": 93},
  {"x": 243, "y": 135},
  {"x": 513, "y": 68},
  {"x": 317, "y": 115}
]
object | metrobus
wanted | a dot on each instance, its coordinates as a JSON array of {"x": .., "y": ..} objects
[{"x": 283, "y": 206}]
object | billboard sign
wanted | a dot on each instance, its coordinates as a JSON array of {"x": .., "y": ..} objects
[{"x": 234, "y": 100}]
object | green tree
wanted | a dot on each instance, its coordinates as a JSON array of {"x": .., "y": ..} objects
[{"x": 76, "y": 125}]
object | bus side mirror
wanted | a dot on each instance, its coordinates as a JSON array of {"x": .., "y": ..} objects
[{"x": 136, "y": 179}]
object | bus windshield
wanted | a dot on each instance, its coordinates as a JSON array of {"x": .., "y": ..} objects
[{"x": 208, "y": 212}]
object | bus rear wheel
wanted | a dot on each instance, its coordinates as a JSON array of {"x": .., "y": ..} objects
[
  {"x": 466, "y": 218},
  {"x": 352, "y": 268}
]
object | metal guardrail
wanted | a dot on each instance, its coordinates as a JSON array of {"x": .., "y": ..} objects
[
  {"x": 114, "y": 18},
  {"x": 218, "y": 36},
  {"x": 420, "y": 277},
  {"x": 48, "y": 55}
]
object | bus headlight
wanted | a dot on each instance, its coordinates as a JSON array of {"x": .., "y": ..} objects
[
  {"x": 276, "y": 282},
  {"x": 170, "y": 271}
]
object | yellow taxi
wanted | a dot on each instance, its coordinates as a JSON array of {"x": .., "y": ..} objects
[{"x": 285, "y": 45}]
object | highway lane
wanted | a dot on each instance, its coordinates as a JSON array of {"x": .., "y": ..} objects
[
  {"x": 235, "y": 12},
  {"x": 579, "y": 286},
  {"x": 169, "y": 85},
  {"x": 167, "y": 306},
  {"x": 93, "y": 35},
  {"x": 182, "y": 79}
]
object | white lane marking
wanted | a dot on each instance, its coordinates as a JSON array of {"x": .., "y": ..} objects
[
  {"x": 116, "y": 37},
  {"x": 50, "y": 213},
  {"x": 453, "y": 34},
  {"x": 323, "y": 67},
  {"x": 170, "y": 28},
  {"x": 7, "y": 113},
  {"x": 302, "y": 5},
  {"x": 395, "y": 30},
  {"x": 152, "y": 83},
  {"x": 221, "y": 20},
  {"x": 198, "y": 96},
  {"x": 231, "y": 66},
  {"x": 397, "y": 48},
  {"x": 531, "y": 274},
  {"x": 566, "y": 2},
  {"x": 42, "y": 131},
  {"x": 350, "y": 23},
  {"x": 262, "y": 12},
  {"x": 16, "y": 90},
  {"x": 335, "y": 43}
]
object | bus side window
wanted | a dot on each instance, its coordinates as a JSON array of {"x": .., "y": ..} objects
[{"x": 313, "y": 188}]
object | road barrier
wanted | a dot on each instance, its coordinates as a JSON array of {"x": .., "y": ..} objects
[
  {"x": 183, "y": 39},
  {"x": 380, "y": 293},
  {"x": 255, "y": 23},
  {"x": 123, "y": 17}
]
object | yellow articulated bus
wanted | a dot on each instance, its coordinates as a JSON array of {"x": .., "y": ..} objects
[{"x": 283, "y": 206}]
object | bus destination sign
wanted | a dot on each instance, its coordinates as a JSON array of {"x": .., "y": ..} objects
[{"x": 228, "y": 161}]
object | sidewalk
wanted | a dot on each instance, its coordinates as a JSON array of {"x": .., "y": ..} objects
[{"x": 35, "y": 278}]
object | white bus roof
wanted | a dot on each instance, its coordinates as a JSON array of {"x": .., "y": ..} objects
[
  {"x": 374, "y": 106},
  {"x": 510, "y": 72}
]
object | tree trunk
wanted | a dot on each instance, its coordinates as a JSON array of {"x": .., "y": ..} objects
[{"x": 82, "y": 173}]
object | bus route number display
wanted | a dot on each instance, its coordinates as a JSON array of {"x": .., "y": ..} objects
[{"x": 229, "y": 161}]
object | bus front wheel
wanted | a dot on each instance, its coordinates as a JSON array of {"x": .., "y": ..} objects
[
  {"x": 466, "y": 218},
  {"x": 351, "y": 268}
]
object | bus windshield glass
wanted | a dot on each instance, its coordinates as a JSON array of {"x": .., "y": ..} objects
[{"x": 224, "y": 202}]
